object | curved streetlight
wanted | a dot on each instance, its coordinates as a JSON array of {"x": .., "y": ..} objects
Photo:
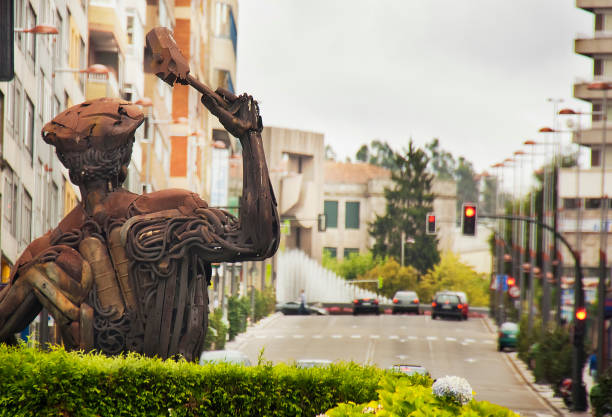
[{"x": 39, "y": 30}]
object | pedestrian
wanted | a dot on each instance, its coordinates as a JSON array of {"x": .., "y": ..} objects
[
  {"x": 593, "y": 365},
  {"x": 302, "y": 303}
]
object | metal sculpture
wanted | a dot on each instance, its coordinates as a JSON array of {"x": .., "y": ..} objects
[{"x": 127, "y": 272}]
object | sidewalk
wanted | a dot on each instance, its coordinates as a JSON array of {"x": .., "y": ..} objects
[{"x": 544, "y": 390}]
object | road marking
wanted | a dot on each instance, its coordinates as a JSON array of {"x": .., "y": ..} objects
[
  {"x": 355, "y": 336},
  {"x": 298, "y": 336},
  {"x": 279, "y": 336},
  {"x": 489, "y": 342},
  {"x": 336, "y": 336},
  {"x": 470, "y": 360},
  {"x": 317, "y": 336},
  {"x": 432, "y": 337},
  {"x": 393, "y": 337},
  {"x": 412, "y": 337},
  {"x": 402, "y": 357},
  {"x": 260, "y": 336},
  {"x": 469, "y": 340},
  {"x": 374, "y": 336},
  {"x": 451, "y": 339}
]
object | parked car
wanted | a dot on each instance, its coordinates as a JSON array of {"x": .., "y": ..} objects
[
  {"x": 365, "y": 305},
  {"x": 410, "y": 369},
  {"x": 227, "y": 356},
  {"x": 465, "y": 308},
  {"x": 293, "y": 308},
  {"x": 406, "y": 301},
  {"x": 311, "y": 363},
  {"x": 506, "y": 336},
  {"x": 446, "y": 304}
]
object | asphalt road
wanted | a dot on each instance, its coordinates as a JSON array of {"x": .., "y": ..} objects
[{"x": 445, "y": 347}]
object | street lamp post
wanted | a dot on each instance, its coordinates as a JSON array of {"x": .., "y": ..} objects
[
  {"x": 499, "y": 250},
  {"x": 521, "y": 237},
  {"x": 603, "y": 234}
]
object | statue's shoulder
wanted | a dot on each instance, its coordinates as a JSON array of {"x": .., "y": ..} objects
[{"x": 184, "y": 201}]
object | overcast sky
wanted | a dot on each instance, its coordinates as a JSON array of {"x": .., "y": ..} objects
[{"x": 474, "y": 73}]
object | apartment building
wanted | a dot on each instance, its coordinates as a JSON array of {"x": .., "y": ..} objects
[
  {"x": 35, "y": 187},
  {"x": 581, "y": 187}
]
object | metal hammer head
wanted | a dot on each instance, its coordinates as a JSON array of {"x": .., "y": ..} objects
[{"x": 167, "y": 61}]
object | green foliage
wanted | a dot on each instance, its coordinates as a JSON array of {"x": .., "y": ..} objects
[
  {"x": 453, "y": 275},
  {"x": 355, "y": 266},
  {"x": 59, "y": 383},
  {"x": 395, "y": 278},
  {"x": 601, "y": 394},
  {"x": 265, "y": 301},
  {"x": 379, "y": 153},
  {"x": 217, "y": 331},
  {"x": 238, "y": 310},
  {"x": 408, "y": 396},
  {"x": 407, "y": 203}
]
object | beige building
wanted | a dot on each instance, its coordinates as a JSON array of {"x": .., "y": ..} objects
[{"x": 581, "y": 187}]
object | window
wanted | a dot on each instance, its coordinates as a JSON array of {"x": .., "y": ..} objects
[
  {"x": 224, "y": 80},
  {"x": 58, "y": 42},
  {"x": 592, "y": 203},
  {"x": 129, "y": 30},
  {"x": 26, "y": 219},
  {"x": 595, "y": 157},
  {"x": 571, "y": 203},
  {"x": 330, "y": 209},
  {"x": 53, "y": 210},
  {"x": 349, "y": 251},
  {"x": 20, "y": 22},
  {"x": 17, "y": 106},
  {"x": 10, "y": 102},
  {"x": 10, "y": 201},
  {"x": 333, "y": 252},
  {"x": 31, "y": 38},
  {"x": 351, "y": 219},
  {"x": 222, "y": 21},
  {"x": 28, "y": 137}
]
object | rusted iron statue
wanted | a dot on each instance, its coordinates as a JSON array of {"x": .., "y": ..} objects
[{"x": 127, "y": 272}]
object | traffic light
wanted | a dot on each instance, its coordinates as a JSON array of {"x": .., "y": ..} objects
[
  {"x": 6, "y": 40},
  {"x": 468, "y": 221},
  {"x": 579, "y": 324},
  {"x": 431, "y": 224},
  {"x": 510, "y": 281},
  {"x": 581, "y": 314}
]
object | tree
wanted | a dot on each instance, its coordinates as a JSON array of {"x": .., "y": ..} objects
[
  {"x": 442, "y": 162},
  {"x": 330, "y": 154},
  {"x": 467, "y": 184},
  {"x": 453, "y": 275},
  {"x": 408, "y": 202},
  {"x": 356, "y": 265},
  {"x": 395, "y": 278},
  {"x": 489, "y": 195},
  {"x": 379, "y": 153}
]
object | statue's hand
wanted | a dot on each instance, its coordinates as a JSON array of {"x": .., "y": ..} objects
[{"x": 238, "y": 114}]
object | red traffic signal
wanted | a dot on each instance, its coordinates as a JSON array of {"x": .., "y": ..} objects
[
  {"x": 431, "y": 224},
  {"x": 510, "y": 281},
  {"x": 581, "y": 314},
  {"x": 468, "y": 219}
]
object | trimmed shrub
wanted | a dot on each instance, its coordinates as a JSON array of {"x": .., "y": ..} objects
[
  {"x": 217, "y": 331},
  {"x": 60, "y": 383}
]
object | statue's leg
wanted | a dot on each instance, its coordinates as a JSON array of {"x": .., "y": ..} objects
[
  {"x": 18, "y": 307},
  {"x": 197, "y": 321}
]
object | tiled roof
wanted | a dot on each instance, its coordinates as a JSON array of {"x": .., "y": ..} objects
[{"x": 353, "y": 173}]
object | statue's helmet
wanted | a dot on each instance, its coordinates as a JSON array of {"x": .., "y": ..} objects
[{"x": 103, "y": 123}]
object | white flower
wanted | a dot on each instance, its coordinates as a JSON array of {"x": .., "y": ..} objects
[{"x": 453, "y": 386}]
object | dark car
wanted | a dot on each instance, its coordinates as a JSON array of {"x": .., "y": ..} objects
[
  {"x": 506, "y": 336},
  {"x": 406, "y": 301},
  {"x": 447, "y": 305},
  {"x": 365, "y": 305},
  {"x": 293, "y": 308},
  {"x": 465, "y": 308}
]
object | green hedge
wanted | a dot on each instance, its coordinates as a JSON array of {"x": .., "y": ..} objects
[
  {"x": 601, "y": 394},
  {"x": 60, "y": 383}
]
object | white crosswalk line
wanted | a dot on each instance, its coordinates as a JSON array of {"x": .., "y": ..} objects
[
  {"x": 279, "y": 336},
  {"x": 412, "y": 337},
  {"x": 355, "y": 336},
  {"x": 469, "y": 340},
  {"x": 317, "y": 336},
  {"x": 451, "y": 339},
  {"x": 260, "y": 336},
  {"x": 392, "y": 337},
  {"x": 489, "y": 342},
  {"x": 298, "y": 336},
  {"x": 432, "y": 337},
  {"x": 374, "y": 336},
  {"x": 336, "y": 336}
]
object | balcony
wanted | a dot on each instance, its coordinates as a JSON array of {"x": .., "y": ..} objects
[
  {"x": 600, "y": 44},
  {"x": 594, "y": 135},
  {"x": 105, "y": 26},
  {"x": 592, "y": 5},
  {"x": 582, "y": 92},
  {"x": 587, "y": 184},
  {"x": 101, "y": 85}
]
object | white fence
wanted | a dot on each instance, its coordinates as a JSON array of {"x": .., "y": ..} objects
[{"x": 296, "y": 271}]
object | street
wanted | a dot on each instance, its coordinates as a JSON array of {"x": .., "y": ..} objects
[{"x": 445, "y": 347}]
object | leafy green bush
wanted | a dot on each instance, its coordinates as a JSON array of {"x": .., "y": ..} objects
[
  {"x": 526, "y": 339},
  {"x": 238, "y": 310},
  {"x": 601, "y": 394},
  {"x": 265, "y": 301},
  {"x": 403, "y": 396},
  {"x": 60, "y": 383},
  {"x": 553, "y": 358},
  {"x": 217, "y": 331}
]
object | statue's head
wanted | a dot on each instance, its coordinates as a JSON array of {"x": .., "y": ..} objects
[{"x": 94, "y": 139}]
